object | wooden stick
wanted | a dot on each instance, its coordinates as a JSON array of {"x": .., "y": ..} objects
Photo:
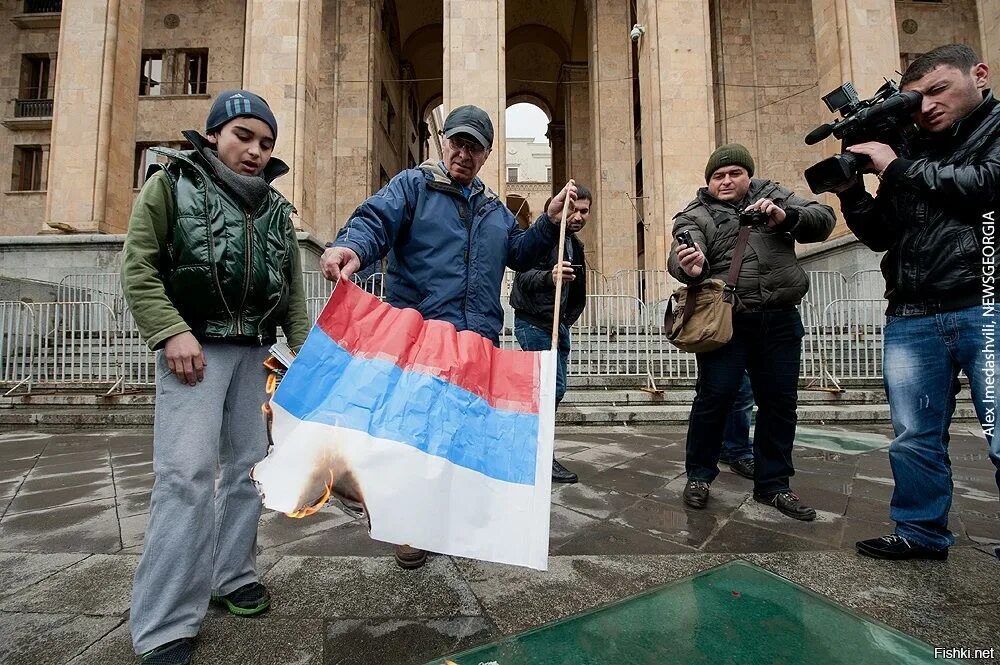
[{"x": 558, "y": 280}]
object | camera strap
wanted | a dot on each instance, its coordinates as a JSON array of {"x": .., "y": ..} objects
[{"x": 741, "y": 248}]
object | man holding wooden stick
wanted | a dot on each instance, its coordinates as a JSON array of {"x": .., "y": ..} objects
[
  {"x": 448, "y": 238},
  {"x": 537, "y": 308}
]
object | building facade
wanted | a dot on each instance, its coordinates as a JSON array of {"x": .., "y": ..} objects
[{"x": 637, "y": 92}]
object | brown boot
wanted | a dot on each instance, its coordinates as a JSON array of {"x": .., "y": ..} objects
[{"x": 410, "y": 558}]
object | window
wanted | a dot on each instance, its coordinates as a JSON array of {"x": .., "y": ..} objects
[
  {"x": 26, "y": 176},
  {"x": 511, "y": 174},
  {"x": 195, "y": 73},
  {"x": 388, "y": 113},
  {"x": 145, "y": 157},
  {"x": 42, "y": 6},
  {"x": 151, "y": 74},
  {"x": 35, "y": 71},
  {"x": 548, "y": 174}
]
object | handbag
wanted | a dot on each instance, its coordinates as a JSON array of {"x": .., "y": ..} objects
[{"x": 706, "y": 309}]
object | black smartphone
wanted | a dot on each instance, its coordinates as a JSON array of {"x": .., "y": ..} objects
[
  {"x": 684, "y": 237},
  {"x": 576, "y": 267}
]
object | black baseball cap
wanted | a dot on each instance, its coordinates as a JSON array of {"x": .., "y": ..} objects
[{"x": 470, "y": 120}]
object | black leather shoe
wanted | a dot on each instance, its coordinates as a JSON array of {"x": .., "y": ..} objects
[
  {"x": 788, "y": 503},
  {"x": 743, "y": 467},
  {"x": 896, "y": 547},
  {"x": 696, "y": 493},
  {"x": 410, "y": 558},
  {"x": 561, "y": 474}
]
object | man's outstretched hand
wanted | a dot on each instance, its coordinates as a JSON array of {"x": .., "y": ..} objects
[{"x": 339, "y": 263}]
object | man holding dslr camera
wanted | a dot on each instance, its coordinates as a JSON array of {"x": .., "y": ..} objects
[
  {"x": 767, "y": 328},
  {"x": 931, "y": 215}
]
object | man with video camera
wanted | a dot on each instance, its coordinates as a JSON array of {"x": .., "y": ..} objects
[
  {"x": 933, "y": 216},
  {"x": 767, "y": 328}
]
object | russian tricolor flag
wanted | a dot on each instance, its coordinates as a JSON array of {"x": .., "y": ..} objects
[{"x": 446, "y": 439}]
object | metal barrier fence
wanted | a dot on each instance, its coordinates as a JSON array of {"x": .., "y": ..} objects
[
  {"x": 16, "y": 324},
  {"x": 90, "y": 337},
  {"x": 57, "y": 344}
]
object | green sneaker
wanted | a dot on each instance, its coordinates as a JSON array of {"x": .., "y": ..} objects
[
  {"x": 247, "y": 601},
  {"x": 177, "y": 652}
]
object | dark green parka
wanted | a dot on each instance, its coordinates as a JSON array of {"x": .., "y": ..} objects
[
  {"x": 770, "y": 276},
  {"x": 196, "y": 260}
]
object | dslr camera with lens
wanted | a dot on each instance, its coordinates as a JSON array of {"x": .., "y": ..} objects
[{"x": 885, "y": 118}]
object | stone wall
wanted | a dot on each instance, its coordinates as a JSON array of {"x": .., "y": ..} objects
[
  {"x": 20, "y": 212},
  {"x": 216, "y": 25},
  {"x": 765, "y": 84},
  {"x": 925, "y": 25}
]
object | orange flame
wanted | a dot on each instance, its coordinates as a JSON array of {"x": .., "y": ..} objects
[{"x": 309, "y": 510}]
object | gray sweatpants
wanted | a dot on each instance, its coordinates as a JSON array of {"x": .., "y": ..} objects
[{"x": 202, "y": 532}]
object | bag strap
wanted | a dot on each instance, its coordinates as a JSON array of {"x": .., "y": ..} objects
[
  {"x": 689, "y": 301},
  {"x": 741, "y": 247}
]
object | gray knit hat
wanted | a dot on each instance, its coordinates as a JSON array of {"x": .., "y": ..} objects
[
  {"x": 236, "y": 104},
  {"x": 731, "y": 154}
]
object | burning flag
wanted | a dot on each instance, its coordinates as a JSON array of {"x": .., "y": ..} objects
[{"x": 445, "y": 440}]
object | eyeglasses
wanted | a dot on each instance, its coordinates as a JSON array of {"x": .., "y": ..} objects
[{"x": 471, "y": 147}]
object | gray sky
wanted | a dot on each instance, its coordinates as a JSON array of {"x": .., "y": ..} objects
[{"x": 526, "y": 120}]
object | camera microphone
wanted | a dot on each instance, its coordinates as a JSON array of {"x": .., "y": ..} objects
[{"x": 818, "y": 134}]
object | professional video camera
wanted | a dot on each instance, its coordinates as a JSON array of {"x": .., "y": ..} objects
[{"x": 885, "y": 118}]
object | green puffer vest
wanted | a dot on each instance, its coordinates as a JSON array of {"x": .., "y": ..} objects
[{"x": 223, "y": 289}]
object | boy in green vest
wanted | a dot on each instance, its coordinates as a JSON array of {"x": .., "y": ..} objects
[{"x": 211, "y": 268}]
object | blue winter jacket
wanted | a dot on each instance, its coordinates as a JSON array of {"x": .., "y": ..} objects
[{"x": 446, "y": 253}]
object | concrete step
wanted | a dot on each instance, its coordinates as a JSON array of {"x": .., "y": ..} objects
[
  {"x": 579, "y": 394},
  {"x": 676, "y": 415},
  {"x": 70, "y": 419}
]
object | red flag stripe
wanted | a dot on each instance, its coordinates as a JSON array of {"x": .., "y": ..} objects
[{"x": 365, "y": 326}]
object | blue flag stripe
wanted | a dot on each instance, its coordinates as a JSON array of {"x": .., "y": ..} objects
[{"x": 326, "y": 384}]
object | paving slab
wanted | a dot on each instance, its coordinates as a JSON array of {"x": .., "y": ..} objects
[
  {"x": 49, "y": 639},
  {"x": 81, "y": 527},
  {"x": 366, "y": 587},
  {"x": 402, "y": 641},
  {"x": 517, "y": 599},
  {"x": 19, "y": 570},
  {"x": 100, "y": 584}
]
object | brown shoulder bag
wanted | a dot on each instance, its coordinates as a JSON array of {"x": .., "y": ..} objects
[{"x": 706, "y": 309}]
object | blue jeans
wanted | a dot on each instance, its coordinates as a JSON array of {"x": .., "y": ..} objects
[
  {"x": 768, "y": 346},
  {"x": 533, "y": 338},
  {"x": 923, "y": 355},
  {"x": 736, "y": 444}
]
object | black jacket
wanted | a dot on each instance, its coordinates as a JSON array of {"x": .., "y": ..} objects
[
  {"x": 928, "y": 215},
  {"x": 770, "y": 275},
  {"x": 533, "y": 294}
]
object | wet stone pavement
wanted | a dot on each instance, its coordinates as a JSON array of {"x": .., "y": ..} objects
[{"x": 73, "y": 508}]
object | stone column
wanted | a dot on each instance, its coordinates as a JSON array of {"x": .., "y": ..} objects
[
  {"x": 574, "y": 81},
  {"x": 353, "y": 111},
  {"x": 989, "y": 34},
  {"x": 475, "y": 72},
  {"x": 612, "y": 135},
  {"x": 856, "y": 40},
  {"x": 678, "y": 119},
  {"x": 93, "y": 119},
  {"x": 281, "y": 64},
  {"x": 557, "y": 143}
]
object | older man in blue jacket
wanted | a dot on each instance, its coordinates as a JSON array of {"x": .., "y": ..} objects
[{"x": 448, "y": 238}]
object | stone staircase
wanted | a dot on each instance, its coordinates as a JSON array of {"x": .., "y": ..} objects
[{"x": 590, "y": 402}]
